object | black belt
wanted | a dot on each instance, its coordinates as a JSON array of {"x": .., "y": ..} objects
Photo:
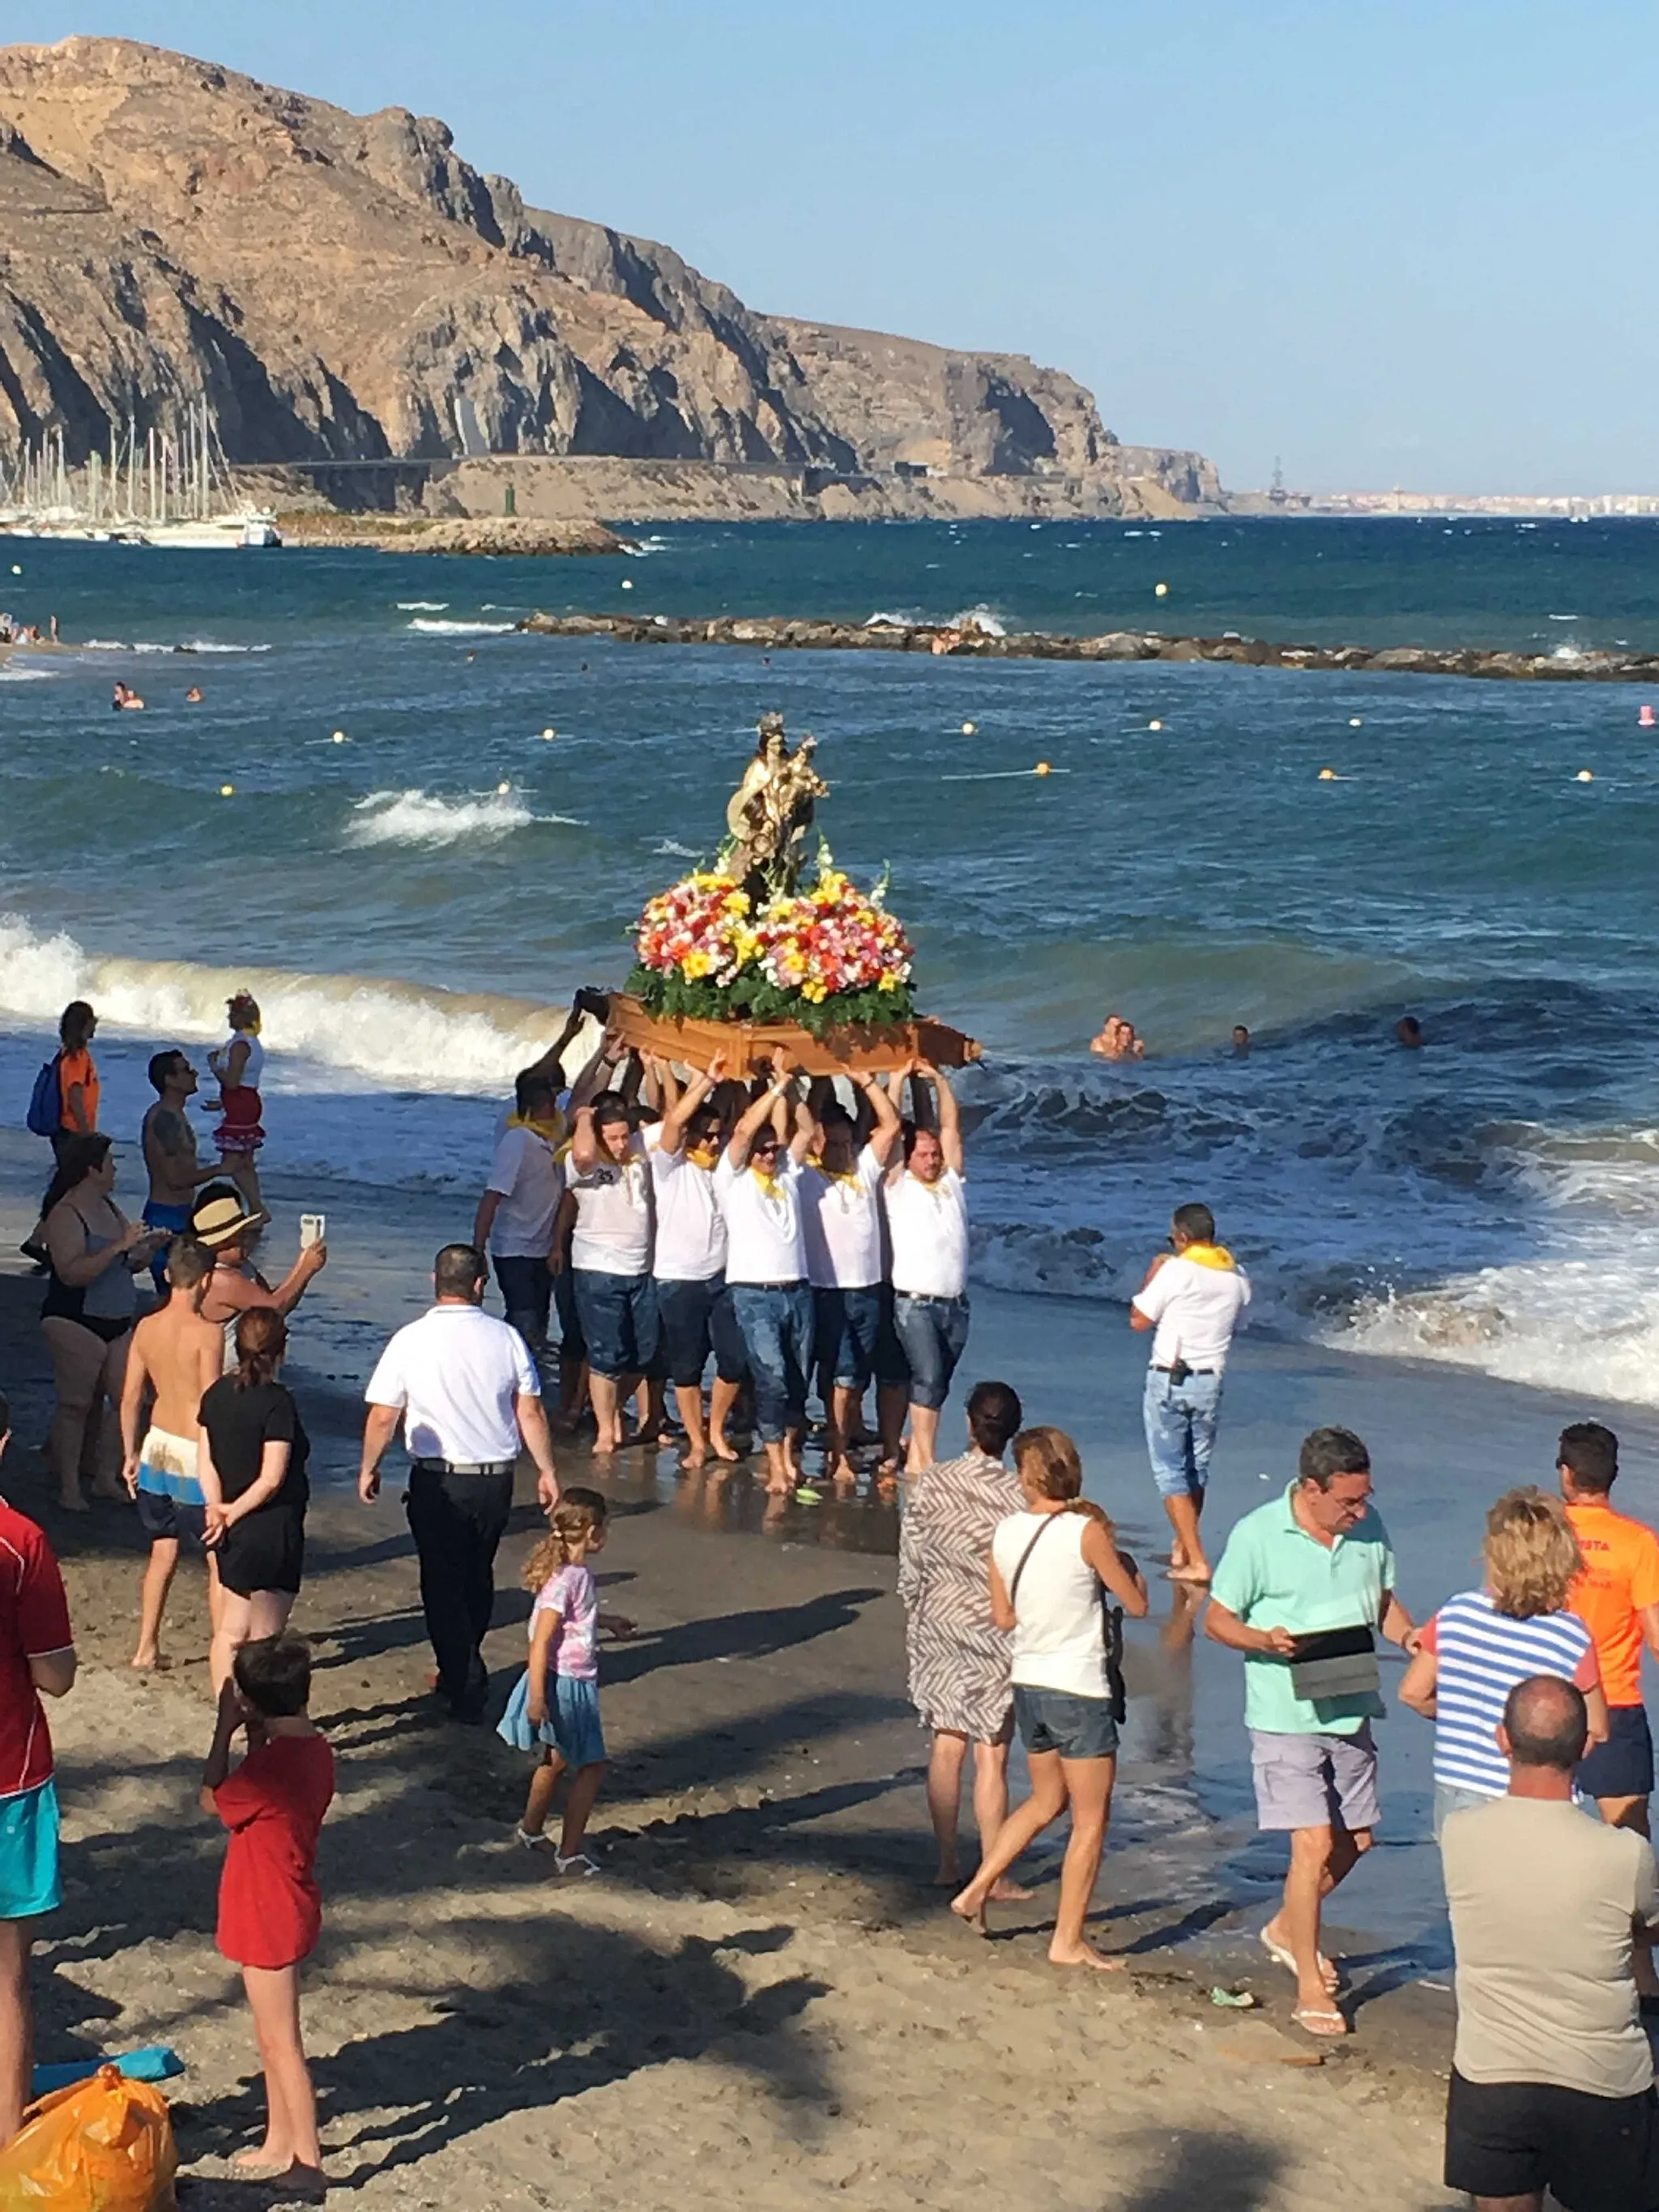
[
  {"x": 1191, "y": 1371},
  {"x": 795, "y": 1283},
  {"x": 932, "y": 1298},
  {"x": 464, "y": 1466}
]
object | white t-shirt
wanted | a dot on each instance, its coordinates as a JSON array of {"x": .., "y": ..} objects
[
  {"x": 455, "y": 1374},
  {"x": 612, "y": 1235},
  {"x": 842, "y": 1221},
  {"x": 1196, "y": 1308},
  {"x": 927, "y": 1227},
  {"x": 764, "y": 1239},
  {"x": 691, "y": 1244},
  {"x": 530, "y": 1181},
  {"x": 1060, "y": 1641}
]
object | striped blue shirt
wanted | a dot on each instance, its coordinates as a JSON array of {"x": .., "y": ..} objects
[{"x": 1482, "y": 1655}]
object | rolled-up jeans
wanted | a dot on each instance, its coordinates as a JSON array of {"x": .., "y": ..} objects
[
  {"x": 775, "y": 1321},
  {"x": 933, "y": 1334},
  {"x": 1181, "y": 1419}
]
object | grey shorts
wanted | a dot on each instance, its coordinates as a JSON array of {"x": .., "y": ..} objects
[{"x": 1315, "y": 1781}]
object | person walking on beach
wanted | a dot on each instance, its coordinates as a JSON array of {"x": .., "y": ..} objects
[
  {"x": 554, "y": 1709},
  {"x": 1616, "y": 1598},
  {"x": 840, "y": 1188},
  {"x": 1193, "y": 1296},
  {"x": 520, "y": 1204},
  {"x": 1312, "y": 1564},
  {"x": 252, "y": 1463},
  {"x": 169, "y": 1148},
  {"x": 468, "y": 1394},
  {"x": 87, "y": 1316},
  {"x": 271, "y": 1911},
  {"x": 70, "y": 1086},
  {"x": 694, "y": 1311},
  {"x": 757, "y": 1184},
  {"x": 926, "y": 1196},
  {"x": 1483, "y": 1642},
  {"x": 610, "y": 1259},
  {"x": 175, "y": 1358},
  {"x": 1050, "y": 1564},
  {"x": 239, "y": 1063},
  {"x": 37, "y": 1657},
  {"x": 959, "y": 1660},
  {"x": 1552, "y": 2085}
]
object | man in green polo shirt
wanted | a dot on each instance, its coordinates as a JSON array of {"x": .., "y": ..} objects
[{"x": 1316, "y": 1559}]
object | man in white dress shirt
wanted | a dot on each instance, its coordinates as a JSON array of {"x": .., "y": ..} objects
[
  {"x": 927, "y": 1200},
  {"x": 842, "y": 1184},
  {"x": 759, "y": 1185},
  {"x": 466, "y": 1390}
]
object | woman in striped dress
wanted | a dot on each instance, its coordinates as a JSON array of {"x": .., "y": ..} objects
[
  {"x": 959, "y": 1659},
  {"x": 1483, "y": 1642}
]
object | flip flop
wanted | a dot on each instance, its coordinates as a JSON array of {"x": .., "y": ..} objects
[
  {"x": 1283, "y": 1957},
  {"x": 1320, "y": 2020}
]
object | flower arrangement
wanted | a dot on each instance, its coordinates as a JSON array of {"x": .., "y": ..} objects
[{"x": 821, "y": 958}]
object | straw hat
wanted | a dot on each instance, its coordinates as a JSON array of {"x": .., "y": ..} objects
[{"x": 221, "y": 1221}]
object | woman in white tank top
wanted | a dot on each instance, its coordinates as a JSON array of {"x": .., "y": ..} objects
[{"x": 1051, "y": 1568}]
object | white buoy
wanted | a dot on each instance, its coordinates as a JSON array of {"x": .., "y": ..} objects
[
  {"x": 550, "y": 734},
  {"x": 1328, "y": 775},
  {"x": 628, "y": 583},
  {"x": 1584, "y": 776},
  {"x": 969, "y": 728},
  {"x": 339, "y": 737},
  {"x": 1355, "y": 723},
  {"x": 1155, "y": 726},
  {"x": 226, "y": 790},
  {"x": 1161, "y": 590},
  {"x": 16, "y": 569},
  {"x": 503, "y": 789}
]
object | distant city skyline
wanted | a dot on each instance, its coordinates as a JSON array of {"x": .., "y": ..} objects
[{"x": 1391, "y": 243}]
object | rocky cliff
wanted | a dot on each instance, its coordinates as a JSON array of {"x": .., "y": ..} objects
[{"x": 346, "y": 287}]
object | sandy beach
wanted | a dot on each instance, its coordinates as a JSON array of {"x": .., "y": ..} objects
[{"x": 763, "y": 1977}]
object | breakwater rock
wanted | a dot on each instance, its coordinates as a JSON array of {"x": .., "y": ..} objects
[
  {"x": 481, "y": 534},
  {"x": 781, "y": 632}
]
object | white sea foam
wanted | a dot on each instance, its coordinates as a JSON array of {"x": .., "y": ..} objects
[
  {"x": 643, "y": 548},
  {"x": 884, "y": 618},
  {"x": 984, "y": 619},
  {"x": 422, "y": 606},
  {"x": 670, "y": 849},
  {"x": 460, "y": 628},
  {"x": 11, "y": 673},
  {"x": 195, "y": 645},
  {"x": 417, "y": 818}
]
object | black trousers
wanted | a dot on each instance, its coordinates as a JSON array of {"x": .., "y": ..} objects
[{"x": 458, "y": 1521}]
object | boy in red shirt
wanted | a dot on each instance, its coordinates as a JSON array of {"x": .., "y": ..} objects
[
  {"x": 270, "y": 1912},
  {"x": 37, "y": 1653}
]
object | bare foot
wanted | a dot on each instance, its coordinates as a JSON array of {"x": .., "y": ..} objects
[
  {"x": 691, "y": 1459},
  {"x": 149, "y": 1663},
  {"x": 968, "y": 1907},
  {"x": 723, "y": 1450},
  {"x": 842, "y": 1470},
  {"x": 782, "y": 1488},
  {"x": 605, "y": 1447},
  {"x": 1010, "y": 1892},
  {"x": 268, "y": 2157},
  {"x": 1084, "y": 1954}
]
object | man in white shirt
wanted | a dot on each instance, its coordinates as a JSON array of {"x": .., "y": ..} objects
[
  {"x": 926, "y": 1200},
  {"x": 694, "y": 1312},
  {"x": 759, "y": 1185},
  {"x": 1194, "y": 1297},
  {"x": 841, "y": 1186},
  {"x": 607, "y": 1176},
  {"x": 519, "y": 1205},
  {"x": 466, "y": 1390}
]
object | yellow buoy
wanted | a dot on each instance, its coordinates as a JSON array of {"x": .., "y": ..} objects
[
  {"x": 969, "y": 728},
  {"x": 1328, "y": 775},
  {"x": 1155, "y": 726},
  {"x": 226, "y": 790},
  {"x": 1584, "y": 776},
  {"x": 1161, "y": 590},
  {"x": 550, "y": 734},
  {"x": 1355, "y": 723},
  {"x": 1042, "y": 768}
]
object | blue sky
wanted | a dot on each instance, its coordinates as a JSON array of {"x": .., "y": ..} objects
[{"x": 1394, "y": 242}]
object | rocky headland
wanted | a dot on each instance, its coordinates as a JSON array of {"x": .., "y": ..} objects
[
  {"x": 343, "y": 290},
  {"x": 481, "y": 534},
  {"x": 780, "y": 633}
]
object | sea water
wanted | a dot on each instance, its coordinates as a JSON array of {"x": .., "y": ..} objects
[{"x": 413, "y": 877}]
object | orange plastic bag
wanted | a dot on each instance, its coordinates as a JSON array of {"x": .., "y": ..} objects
[{"x": 104, "y": 2145}]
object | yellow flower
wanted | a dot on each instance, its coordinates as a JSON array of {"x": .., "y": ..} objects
[{"x": 887, "y": 983}]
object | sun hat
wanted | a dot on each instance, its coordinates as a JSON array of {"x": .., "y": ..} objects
[{"x": 221, "y": 1221}]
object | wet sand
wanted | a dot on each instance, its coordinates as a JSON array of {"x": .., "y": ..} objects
[{"x": 763, "y": 1976}]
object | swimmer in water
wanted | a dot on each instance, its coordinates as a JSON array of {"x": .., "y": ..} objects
[
  {"x": 125, "y": 699},
  {"x": 1409, "y": 1031},
  {"x": 1117, "y": 1040},
  {"x": 1241, "y": 1042},
  {"x": 193, "y": 697}
]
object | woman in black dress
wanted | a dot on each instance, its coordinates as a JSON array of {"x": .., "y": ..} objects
[{"x": 253, "y": 1466}]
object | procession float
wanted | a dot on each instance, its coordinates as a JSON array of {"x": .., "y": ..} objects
[{"x": 763, "y": 957}]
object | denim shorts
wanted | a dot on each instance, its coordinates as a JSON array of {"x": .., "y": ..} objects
[
  {"x": 847, "y": 1324},
  {"x": 1058, "y": 1720},
  {"x": 695, "y": 1319},
  {"x": 1180, "y": 1421},
  {"x": 618, "y": 1315},
  {"x": 526, "y": 1292},
  {"x": 775, "y": 1320},
  {"x": 29, "y": 1854},
  {"x": 573, "y": 1346},
  {"x": 933, "y": 1332}
]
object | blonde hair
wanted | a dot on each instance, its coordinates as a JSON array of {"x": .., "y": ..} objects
[
  {"x": 1532, "y": 1555},
  {"x": 570, "y": 1525}
]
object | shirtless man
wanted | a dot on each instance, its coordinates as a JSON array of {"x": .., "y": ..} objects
[
  {"x": 174, "y": 1357},
  {"x": 222, "y": 1223},
  {"x": 170, "y": 1159}
]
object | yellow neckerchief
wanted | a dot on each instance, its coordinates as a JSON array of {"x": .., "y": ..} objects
[
  {"x": 1209, "y": 1255},
  {"x": 770, "y": 1184},
  {"x": 549, "y": 1129},
  {"x": 833, "y": 1175}
]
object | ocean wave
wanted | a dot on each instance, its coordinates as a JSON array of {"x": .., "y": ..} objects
[
  {"x": 885, "y": 618},
  {"x": 415, "y": 817},
  {"x": 197, "y": 644},
  {"x": 670, "y": 850},
  {"x": 642, "y": 549},
  {"x": 460, "y": 628},
  {"x": 986, "y": 620},
  {"x": 11, "y": 673},
  {"x": 422, "y": 606}
]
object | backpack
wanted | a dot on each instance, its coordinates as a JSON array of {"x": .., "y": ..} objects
[{"x": 45, "y": 1112}]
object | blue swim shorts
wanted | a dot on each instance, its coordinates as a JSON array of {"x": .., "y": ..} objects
[{"x": 29, "y": 1854}]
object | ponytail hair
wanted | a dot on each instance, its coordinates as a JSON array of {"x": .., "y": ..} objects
[
  {"x": 570, "y": 1524},
  {"x": 261, "y": 1340}
]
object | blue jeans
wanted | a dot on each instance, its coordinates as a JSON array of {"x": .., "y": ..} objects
[
  {"x": 775, "y": 1322},
  {"x": 526, "y": 1293},
  {"x": 618, "y": 1315},
  {"x": 932, "y": 1333},
  {"x": 847, "y": 1322},
  {"x": 1180, "y": 1424}
]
